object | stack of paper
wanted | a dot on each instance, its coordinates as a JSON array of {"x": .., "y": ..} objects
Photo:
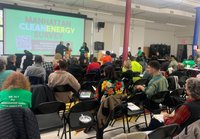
[{"x": 133, "y": 107}]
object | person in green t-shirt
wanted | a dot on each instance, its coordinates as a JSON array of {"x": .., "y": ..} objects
[
  {"x": 15, "y": 92},
  {"x": 139, "y": 53}
]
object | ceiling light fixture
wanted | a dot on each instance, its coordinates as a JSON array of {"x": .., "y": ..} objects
[
  {"x": 96, "y": 12},
  {"x": 176, "y": 25},
  {"x": 143, "y": 20}
]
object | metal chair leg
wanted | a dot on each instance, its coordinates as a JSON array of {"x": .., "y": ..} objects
[
  {"x": 145, "y": 118},
  {"x": 124, "y": 125},
  {"x": 127, "y": 121}
]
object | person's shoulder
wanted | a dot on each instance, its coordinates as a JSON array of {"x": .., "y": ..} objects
[
  {"x": 25, "y": 91},
  {"x": 8, "y": 71}
]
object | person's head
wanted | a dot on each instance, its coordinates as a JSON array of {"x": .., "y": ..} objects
[
  {"x": 74, "y": 61},
  {"x": 58, "y": 56},
  {"x": 27, "y": 52},
  {"x": 198, "y": 60},
  {"x": 192, "y": 88},
  {"x": 11, "y": 58},
  {"x": 2, "y": 64},
  {"x": 127, "y": 64},
  {"x": 108, "y": 53},
  {"x": 84, "y": 44},
  {"x": 61, "y": 42},
  {"x": 68, "y": 44},
  {"x": 62, "y": 64},
  {"x": 16, "y": 80},
  {"x": 94, "y": 59},
  {"x": 139, "y": 48},
  {"x": 180, "y": 66},
  {"x": 38, "y": 59},
  {"x": 154, "y": 57},
  {"x": 190, "y": 57},
  {"x": 153, "y": 67},
  {"x": 109, "y": 72},
  {"x": 132, "y": 58},
  {"x": 173, "y": 57},
  {"x": 129, "y": 53}
]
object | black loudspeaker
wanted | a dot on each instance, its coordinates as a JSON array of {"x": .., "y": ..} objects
[
  {"x": 101, "y": 24},
  {"x": 98, "y": 46}
]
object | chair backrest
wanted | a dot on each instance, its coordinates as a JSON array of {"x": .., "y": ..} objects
[
  {"x": 182, "y": 80},
  {"x": 88, "y": 86},
  {"x": 36, "y": 80},
  {"x": 117, "y": 112},
  {"x": 84, "y": 106},
  {"x": 178, "y": 92},
  {"x": 164, "y": 132},
  {"x": 63, "y": 88},
  {"x": 50, "y": 107},
  {"x": 141, "y": 82},
  {"x": 160, "y": 95}
]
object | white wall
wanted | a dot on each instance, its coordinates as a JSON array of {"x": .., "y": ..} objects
[{"x": 141, "y": 34}]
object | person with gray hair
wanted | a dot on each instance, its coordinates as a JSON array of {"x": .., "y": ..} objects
[{"x": 3, "y": 73}]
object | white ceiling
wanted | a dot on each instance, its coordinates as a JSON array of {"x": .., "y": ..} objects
[{"x": 160, "y": 11}]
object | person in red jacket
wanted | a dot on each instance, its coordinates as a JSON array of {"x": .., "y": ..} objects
[{"x": 93, "y": 66}]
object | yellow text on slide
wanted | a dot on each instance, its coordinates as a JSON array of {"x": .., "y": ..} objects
[{"x": 60, "y": 29}]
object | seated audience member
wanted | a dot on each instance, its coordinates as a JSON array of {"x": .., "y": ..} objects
[
  {"x": 173, "y": 63},
  {"x": 187, "y": 113},
  {"x": 180, "y": 72},
  {"x": 36, "y": 69},
  {"x": 127, "y": 70},
  {"x": 129, "y": 54},
  {"x": 57, "y": 57},
  {"x": 11, "y": 61},
  {"x": 16, "y": 92},
  {"x": 107, "y": 58},
  {"x": 94, "y": 66},
  {"x": 198, "y": 63},
  {"x": 3, "y": 73},
  {"x": 165, "y": 64},
  {"x": 136, "y": 67},
  {"x": 110, "y": 85},
  {"x": 26, "y": 60},
  {"x": 75, "y": 69},
  {"x": 157, "y": 84},
  {"x": 62, "y": 77}
]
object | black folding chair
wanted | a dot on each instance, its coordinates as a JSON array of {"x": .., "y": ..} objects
[
  {"x": 48, "y": 116},
  {"x": 116, "y": 113},
  {"x": 36, "y": 80},
  {"x": 164, "y": 132},
  {"x": 135, "y": 99},
  {"x": 67, "y": 88},
  {"x": 86, "y": 108},
  {"x": 88, "y": 87},
  {"x": 141, "y": 82},
  {"x": 159, "y": 96}
]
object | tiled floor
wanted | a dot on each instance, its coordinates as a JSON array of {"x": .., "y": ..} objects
[{"x": 82, "y": 135}]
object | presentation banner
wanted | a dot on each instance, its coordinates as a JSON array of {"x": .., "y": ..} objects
[{"x": 40, "y": 33}]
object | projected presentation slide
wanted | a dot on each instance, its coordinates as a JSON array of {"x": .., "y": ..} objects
[{"x": 40, "y": 33}]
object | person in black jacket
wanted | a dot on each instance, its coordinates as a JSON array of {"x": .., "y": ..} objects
[{"x": 60, "y": 48}]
